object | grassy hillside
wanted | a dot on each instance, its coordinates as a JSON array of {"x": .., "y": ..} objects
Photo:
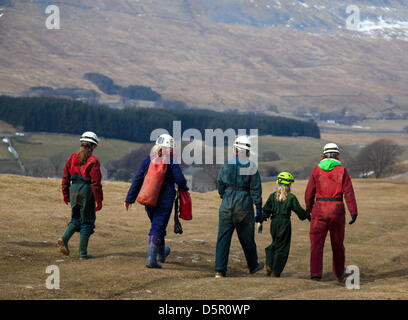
[
  {"x": 180, "y": 49},
  {"x": 33, "y": 216}
]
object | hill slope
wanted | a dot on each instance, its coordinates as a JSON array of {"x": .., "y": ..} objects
[
  {"x": 228, "y": 54},
  {"x": 33, "y": 216}
]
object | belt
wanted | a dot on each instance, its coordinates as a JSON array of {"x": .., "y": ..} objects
[
  {"x": 238, "y": 189},
  {"x": 286, "y": 216},
  {"x": 329, "y": 199}
]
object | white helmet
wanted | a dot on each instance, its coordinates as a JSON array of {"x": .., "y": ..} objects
[
  {"x": 331, "y": 148},
  {"x": 242, "y": 143},
  {"x": 165, "y": 140},
  {"x": 89, "y": 136}
]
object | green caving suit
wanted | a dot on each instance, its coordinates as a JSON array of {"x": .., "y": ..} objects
[
  {"x": 281, "y": 229},
  {"x": 83, "y": 205},
  {"x": 239, "y": 193}
]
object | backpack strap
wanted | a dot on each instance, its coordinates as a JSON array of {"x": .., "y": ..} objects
[{"x": 177, "y": 225}]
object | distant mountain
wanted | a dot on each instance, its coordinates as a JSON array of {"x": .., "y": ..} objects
[{"x": 247, "y": 55}]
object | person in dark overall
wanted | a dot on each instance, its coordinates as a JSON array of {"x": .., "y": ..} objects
[
  {"x": 81, "y": 187},
  {"x": 328, "y": 183},
  {"x": 239, "y": 193},
  {"x": 160, "y": 214},
  {"x": 279, "y": 206}
]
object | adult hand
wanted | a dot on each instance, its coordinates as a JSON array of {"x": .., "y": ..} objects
[
  {"x": 309, "y": 217},
  {"x": 98, "y": 206},
  {"x": 66, "y": 201},
  {"x": 353, "y": 219},
  {"x": 258, "y": 217},
  {"x": 259, "y": 227},
  {"x": 127, "y": 205}
]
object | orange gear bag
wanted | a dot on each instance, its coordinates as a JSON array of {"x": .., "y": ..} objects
[
  {"x": 153, "y": 182},
  {"x": 185, "y": 205}
]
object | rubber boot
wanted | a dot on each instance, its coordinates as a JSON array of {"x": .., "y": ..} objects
[
  {"x": 63, "y": 241},
  {"x": 83, "y": 247},
  {"x": 164, "y": 251},
  {"x": 154, "y": 243}
]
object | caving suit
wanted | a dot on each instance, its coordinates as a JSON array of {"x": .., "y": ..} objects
[
  {"x": 239, "y": 193},
  {"x": 281, "y": 230},
  {"x": 81, "y": 186},
  {"x": 159, "y": 216},
  {"x": 329, "y": 182}
]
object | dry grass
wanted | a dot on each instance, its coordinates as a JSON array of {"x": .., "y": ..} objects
[{"x": 33, "y": 216}]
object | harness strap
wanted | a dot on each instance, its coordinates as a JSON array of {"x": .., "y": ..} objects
[{"x": 177, "y": 225}]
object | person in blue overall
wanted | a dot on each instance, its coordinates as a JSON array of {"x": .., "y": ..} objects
[{"x": 159, "y": 216}]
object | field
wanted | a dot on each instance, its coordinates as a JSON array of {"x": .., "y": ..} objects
[
  {"x": 365, "y": 138},
  {"x": 296, "y": 153},
  {"x": 33, "y": 216},
  {"x": 44, "y": 145},
  {"x": 388, "y": 125},
  {"x": 299, "y": 154}
]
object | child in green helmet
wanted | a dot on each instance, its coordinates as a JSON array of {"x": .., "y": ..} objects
[{"x": 279, "y": 206}]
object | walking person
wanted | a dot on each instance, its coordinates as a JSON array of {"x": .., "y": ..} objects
[
  {"x": 279, "y": 206},
  {"x": 329, "y": 182},
  {"x": 159, "y": 215},
  {"x": 81, "y": 187},
  {"x": 239, "y": 193}
]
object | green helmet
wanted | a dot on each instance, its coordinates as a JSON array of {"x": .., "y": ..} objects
[{"x": 285, "y": 178}]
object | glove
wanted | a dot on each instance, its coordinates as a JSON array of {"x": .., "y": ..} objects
[
  {"x": 258, "y": 217},
  {"x": 353, "y": 219},
  {"x": 259, "y": 227},
  {"x": 127, "y": 205},
  {"x": 66, "y": 201},
  {"x": 98, "y": 206},
  {"x": 309, "y": 217}
]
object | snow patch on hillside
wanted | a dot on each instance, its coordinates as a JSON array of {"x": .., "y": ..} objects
[{"x": 388, "y": 29}]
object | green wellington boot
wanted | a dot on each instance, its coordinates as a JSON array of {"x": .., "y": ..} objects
[
  {"x": 63, "y": 241},
  {"x": 83, "y": 248}
]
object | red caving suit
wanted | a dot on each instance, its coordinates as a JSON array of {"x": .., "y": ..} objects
[{"x": 329, "y": 182}]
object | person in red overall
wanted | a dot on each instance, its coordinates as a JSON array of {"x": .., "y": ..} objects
[
  {"x": 329, "y": 182},
  {"x": 81, "y": 187}
]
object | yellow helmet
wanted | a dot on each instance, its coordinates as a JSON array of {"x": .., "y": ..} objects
[{"x": 285, "y": 178}]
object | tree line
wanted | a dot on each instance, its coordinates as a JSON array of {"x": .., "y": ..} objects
[{"x": 45, "y": 114}]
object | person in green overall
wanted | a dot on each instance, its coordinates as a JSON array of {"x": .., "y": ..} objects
[
  {"x": 239, "y": 186},
  {"x": 279, "y": 206},
  {"x": 82, "y": 188}
]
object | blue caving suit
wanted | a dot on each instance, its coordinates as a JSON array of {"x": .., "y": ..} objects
[{"x": 159, "y": 215}]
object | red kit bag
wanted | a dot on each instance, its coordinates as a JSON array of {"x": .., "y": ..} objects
[
  {"x": 153, "y": 182},
  {"x": 185, "y": 205}
]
